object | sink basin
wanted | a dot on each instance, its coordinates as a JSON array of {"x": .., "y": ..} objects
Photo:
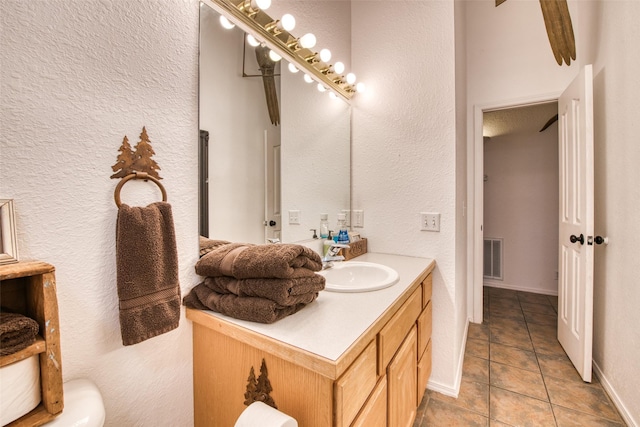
[{"x": 355, "y": 276}]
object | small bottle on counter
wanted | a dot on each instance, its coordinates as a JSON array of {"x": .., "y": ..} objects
[
  {"x": 324, "y": 226},
  {"x": 343, "y": 234}
]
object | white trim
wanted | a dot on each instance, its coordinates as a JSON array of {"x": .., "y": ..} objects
[
  {"x": 454, "y": 390},
  {"x": 492, "y": 284},
  {"x": 476, "y": 218},
  {"x": 626, "y": 416}
]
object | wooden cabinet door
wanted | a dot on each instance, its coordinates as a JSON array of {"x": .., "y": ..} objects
[{"x": 402, "y": 378}]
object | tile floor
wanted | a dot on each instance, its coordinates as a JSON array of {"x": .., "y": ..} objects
[{"x": 516, "y": 373}]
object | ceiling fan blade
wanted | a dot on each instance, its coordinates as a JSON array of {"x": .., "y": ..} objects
[{"x": 551, "y": 121}]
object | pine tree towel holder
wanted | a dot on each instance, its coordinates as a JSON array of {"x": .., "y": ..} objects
[{"x": 136, "y": 164}]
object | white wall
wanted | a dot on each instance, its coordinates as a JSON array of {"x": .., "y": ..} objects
[
  {"x": 76, "y": 77},
  {"x": 521, "y": 207},
  {"x": 404, "y": 149},
  {"x": 610, "y": 44}
]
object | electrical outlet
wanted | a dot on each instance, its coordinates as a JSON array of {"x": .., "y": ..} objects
[
  {"x": 294, "y": 217},
  {"x": 429, "y": 221},
  {"x": 358, "y": 218},
  {"x": 347, "y": 214}
]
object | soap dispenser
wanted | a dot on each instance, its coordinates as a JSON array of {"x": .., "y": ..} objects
[
  {"x": 327, "y": 243},
  {"x": 343, "y": 234}
]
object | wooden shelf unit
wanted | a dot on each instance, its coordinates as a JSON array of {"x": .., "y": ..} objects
[{"x": 29, "y": 288}]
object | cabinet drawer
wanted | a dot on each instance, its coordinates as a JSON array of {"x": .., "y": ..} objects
[
  {"x": 395, "y": 331},
  {"x": 353, "y": 388},
  {"x": 427, "y": 287},
  {"x": 374, "y": 413},
  {"x": 424, "y": 371},
  {"x": 424, "y": 328}
]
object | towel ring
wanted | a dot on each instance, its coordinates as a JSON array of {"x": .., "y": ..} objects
[{"x": 138, "y": 175}]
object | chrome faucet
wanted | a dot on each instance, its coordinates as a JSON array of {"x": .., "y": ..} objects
[{"x": 332, "y": 255}]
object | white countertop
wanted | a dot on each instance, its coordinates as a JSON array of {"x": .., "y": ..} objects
[{"x": 329, "y": 325}]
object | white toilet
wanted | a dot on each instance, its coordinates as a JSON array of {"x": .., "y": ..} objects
[{"x": 83, "y": 406}]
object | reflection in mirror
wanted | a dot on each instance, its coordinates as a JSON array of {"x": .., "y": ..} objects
[{"x": 266, "y": 181}]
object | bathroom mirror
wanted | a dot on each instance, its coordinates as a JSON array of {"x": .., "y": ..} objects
[{"x": 283, "y": 176}]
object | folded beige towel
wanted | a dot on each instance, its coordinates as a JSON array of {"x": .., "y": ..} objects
[
  {"x": 147, "y": 272},
  {"x": 254, "y": 309},
  {"x": 247, "y": 261},
  {"x": 17, "y": 332},
  {"x": 285, "y": 292},
  {"x": 207, "y": 244}
]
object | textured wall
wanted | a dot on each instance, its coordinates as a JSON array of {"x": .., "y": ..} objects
[
  {"x": 76, "y": 77},
  {"x": 404, "y": 149}
]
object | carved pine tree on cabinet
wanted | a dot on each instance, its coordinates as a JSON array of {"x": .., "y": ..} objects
[{"x": 252, "y": 386}]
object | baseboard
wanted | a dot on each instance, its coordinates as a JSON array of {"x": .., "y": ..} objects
[
  {"x": 502, "y": 285},
  {"x": 454, "y": 390},
  {"x": 628, "y": 419}
]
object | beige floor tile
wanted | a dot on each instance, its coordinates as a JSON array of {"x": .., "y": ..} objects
[
  {"x": 503, "y": 293},
  {"x": 440, "y": 414},
  {"x": 473, "y": 396},
  {"x": 553, "y": 300},
  {"x": 558, "y": 366},
  {"x": 582, "y": 397},
  {"x": 478, "y": 331},
  {"x": 509, "y": 323},
  {"x": 549, "y": 331},
  {"x": 569, "y": 418},
  {"x": 510, "y": 337},
  {"x": 513, "y": 356},
  {"x": 543, "y": 344},
  {"x": 506, "y": 313},
  {"x": 533, "y": 298},
  {"x": 502, "y": 304},
  {"x": 496, "y": 423},
  {"x": 475, "y": 369},
  {"x": 477, "y": 348},
  {"x": 517, "y": 380},
  {"x": 538, "y": 308},
  {"x": 540, "y": 319},
  {"x": 518, "y": 410}
]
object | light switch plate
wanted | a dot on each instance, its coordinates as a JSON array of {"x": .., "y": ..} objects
[
  {"x": 358, "y": 218},
  {"x": 429, "y": 221},
  {"x": 294, "y": 217}
]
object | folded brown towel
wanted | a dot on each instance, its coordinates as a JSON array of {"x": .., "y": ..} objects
[
  {"x": 253, "y": 309},
  {"x": 17, "y": 332},
  {"x": 285, "y": 292},
  {"x": 247, "y": 261},
  {"x": 147, "y": 272},
  {"x": 207, "y": 245}
]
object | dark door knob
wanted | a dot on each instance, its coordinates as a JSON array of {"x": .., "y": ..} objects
[
  {"x": 575, "y": 239},
  {"x": 600, "y": 240},
  {"x": 272, "y": 223}
]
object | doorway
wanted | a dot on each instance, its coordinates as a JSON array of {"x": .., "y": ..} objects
[{"x": 510, "y": 197}]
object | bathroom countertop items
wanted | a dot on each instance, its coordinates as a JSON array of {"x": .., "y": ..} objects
[{"x": 259, "y": 283}]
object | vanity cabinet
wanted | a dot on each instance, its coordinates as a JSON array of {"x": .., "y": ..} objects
[
  {"x": 378, "y": 381},
  {"x": 29, "y": 288}
]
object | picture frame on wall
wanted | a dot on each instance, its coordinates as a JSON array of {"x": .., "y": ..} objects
[{"x": 8, "y": 237}]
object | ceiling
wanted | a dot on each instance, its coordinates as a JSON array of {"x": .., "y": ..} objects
[{"x": 530, "y": 118}]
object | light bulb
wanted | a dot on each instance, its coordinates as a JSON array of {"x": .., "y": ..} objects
[
  {"x": 226, "y": 23},
  {"x": 261, "y": 4},
  {"x": 325, "y": 55},
  {"x": 361, "y": 87},
  {"x": 321, "y": 88},
  {"x": 338, "y": 67},
  {"x": 307, "y": 41},
  {"x": 252, "y": 41},
  {"x": 292, "y": 68},
  {"x": 332, "y": 95},
  {"x": 351, "y": 78},
  {"x": 307, "y": 78},
  {"x": 274, "y": 56},
  {"x": 288, "y": 22}
]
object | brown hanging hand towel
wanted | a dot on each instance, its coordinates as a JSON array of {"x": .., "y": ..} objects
[
  {"x": 247, "y": 261},
  {"x": 285, "y": 292},
  {"x": 147, "y": 272},
  {"x": 17, "y": 332},
  {"x": 253, "y": 309}
]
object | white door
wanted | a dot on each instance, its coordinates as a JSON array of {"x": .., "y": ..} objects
[
  {"x": 272, "y": 215},
  {"x": 575, "y": 281}
]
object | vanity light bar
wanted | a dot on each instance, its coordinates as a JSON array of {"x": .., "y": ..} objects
[{"x": 284, "y": 44}]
